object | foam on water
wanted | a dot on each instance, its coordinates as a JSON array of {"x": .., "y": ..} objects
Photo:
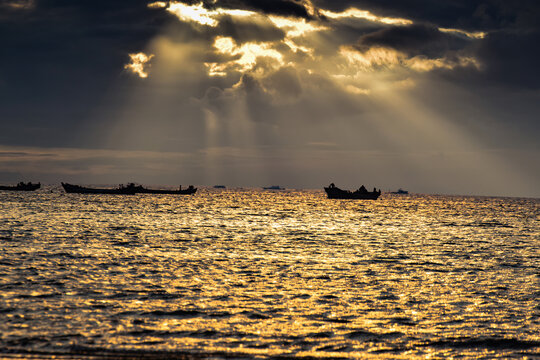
[{"x": 264, "y": 274}]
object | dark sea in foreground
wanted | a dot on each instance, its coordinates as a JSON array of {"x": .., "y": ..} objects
[{"x": 258, "y": 274}]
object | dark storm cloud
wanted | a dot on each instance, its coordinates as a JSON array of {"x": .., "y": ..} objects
[
  {"x": 245, "y": 30},
  {"x": 511, "y": 58},
  {"x": 413, "y": 40},
  {"x": 508, "y": 54},
  {"x": 58, "y": 59},
  {"x": 275, "y": 7},
  {"x": 508, "y": 59},
  {"x": 465, "y": 14}
]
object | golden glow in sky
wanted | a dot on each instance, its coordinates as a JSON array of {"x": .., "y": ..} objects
[
  {"x": 247, "y": 53},
  {"x": 472, "y": 35},
  {"x": 364, "y": 14},
  {"x": 199, "y": 14},
  {"x": 295, "y": 27},
  {"x": 380, "y": 58},
  {"x": 20, "y": 4},
  {"x": 306, "y": 37},
  {"x": 138, "y": 63}
]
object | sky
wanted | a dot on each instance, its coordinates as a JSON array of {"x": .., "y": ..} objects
[{"x": 439, "y": 97}]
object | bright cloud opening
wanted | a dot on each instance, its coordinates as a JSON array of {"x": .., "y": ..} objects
[
  {"x": 138, "y": 63},
  {"x": 364, "y": 14},
  {"x": 247, "y": 53},
  {"x": 295, "y": 27},
  {"x": 199, "y": 14},
  {"x": 21, "y": 4},
  {"x": 378, "y": 58},
  {"x": 471, "y": 35},
  {"x": 374, "y": 58}
]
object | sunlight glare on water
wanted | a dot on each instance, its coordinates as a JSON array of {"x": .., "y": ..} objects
[{"x": 268, "y": 274}]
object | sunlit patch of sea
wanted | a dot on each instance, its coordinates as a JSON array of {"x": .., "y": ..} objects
[{"x": 268, "y": 274}]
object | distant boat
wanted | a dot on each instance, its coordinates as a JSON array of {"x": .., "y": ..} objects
[
  {"x": 142, "y": 190},
  {"x": 21, "y": 187},
  {"x": 219, "y": 187},
  {"x": 400, "y": 192},
  {"x": 273, "y": 187},
  {"x": 334, "y": 192},
  {"x": 121, "y": 190}
]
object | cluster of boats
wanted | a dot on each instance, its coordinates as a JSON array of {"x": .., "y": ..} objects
[
  {"x": 332, "y": 191},
  {"x": 129, "y": 189},
  {"x": 21, "y": 187}
]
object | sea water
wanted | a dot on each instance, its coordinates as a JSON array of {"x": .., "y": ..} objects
[{"x": 252, "y": 273}]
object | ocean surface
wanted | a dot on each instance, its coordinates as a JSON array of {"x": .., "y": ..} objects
[{"x": 260, "y": 274}]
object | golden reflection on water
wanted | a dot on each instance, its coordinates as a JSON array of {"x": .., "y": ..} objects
[{"x": 271, "y": 273}]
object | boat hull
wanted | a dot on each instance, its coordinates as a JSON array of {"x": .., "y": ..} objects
[
  {"x": 76, "y": 189},
  {"x": 21, "y": 187},
  {"x": 188, "y": 191},
  {"x": 337, "y": 193}
]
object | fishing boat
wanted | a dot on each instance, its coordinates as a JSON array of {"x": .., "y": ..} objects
[
  {"x": 188, "y": 191},
  {"x": 334, "y": 192},
  {"x": 273, "y": 187},
  {"x": 400, "y": 191},
  {"x": 129, "y": 189},
  {"x": 21, "y": 187}
]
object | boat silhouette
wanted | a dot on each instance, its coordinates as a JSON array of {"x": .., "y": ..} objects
[
  {"x": 188, "y": 191},
  {"x": 21, "y": 186},
  {"x": 334, "y": 192},
  {"x": 400, "y": 191},
  {"x": 273, "y": 187},
  {"x": 121, "y": 190}
]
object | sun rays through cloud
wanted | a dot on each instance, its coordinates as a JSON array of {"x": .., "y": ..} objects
[
  {"x": 246, "y": 92},
  {"x": 303, "y": 36}
]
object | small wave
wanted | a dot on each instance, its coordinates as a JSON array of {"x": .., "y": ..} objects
[
  {"x": 371, "y": 336},
  {"x": 485, "y": 343},
  {"x": 125, "y": 294},
  {"x": 321, "y": 335},
  {"x": 182, "y": 314},
  {"x": 161, "y": 295},
  {"x": 9, "y": 286},
  {"x": 40, "y": 296},
  {"x": 493, "y": 223},
  {"x": 323, "y": 277},
  {"x": 205, "y": 334},
  {"x": 254, "y": 315},
  {"x": 219, "y": 315},
  {"x": 329, "y": 297},
  {"x": 386, "y": 295},
  {"x": 85, "y": 352},
  {"x": 325, "y": 318},
  {"x": 403, "y": 321},
  {"x": 334, "y": 348}
]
